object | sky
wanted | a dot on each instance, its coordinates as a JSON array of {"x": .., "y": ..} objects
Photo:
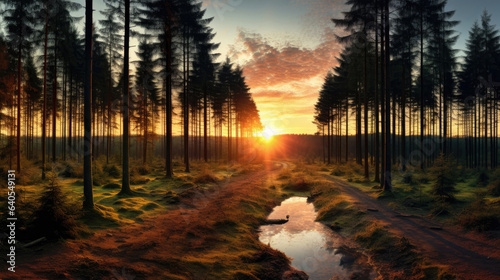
[{"x": 286, "y": 47}]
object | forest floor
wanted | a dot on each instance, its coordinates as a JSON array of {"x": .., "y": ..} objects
[
  {"x": 204, "y": 225},
  {"x": 209, "y": 234},
  {"x": 469, "y": 255}
]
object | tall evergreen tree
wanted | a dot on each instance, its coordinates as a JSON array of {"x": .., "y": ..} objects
[{"x": 19, "y": 17}]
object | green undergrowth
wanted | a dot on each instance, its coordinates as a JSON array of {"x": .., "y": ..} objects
[
  {"x": 445, "y": 192},
  {"x": 153, "y": 193}
]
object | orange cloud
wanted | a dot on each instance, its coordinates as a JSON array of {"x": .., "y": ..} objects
[{"x": 285, "y": 79}]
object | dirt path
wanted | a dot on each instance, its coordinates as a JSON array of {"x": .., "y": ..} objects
[
  {"x": 469, "y": 255},
  {"x": 149, "y": 249}
]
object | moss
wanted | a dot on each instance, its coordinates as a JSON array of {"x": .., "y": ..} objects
[
  {"x": 171, "y": 197},
  {"x": 112, "y": 186},
  {"x": 101, "y": 217},
  {"x": 150, "y": 206}
]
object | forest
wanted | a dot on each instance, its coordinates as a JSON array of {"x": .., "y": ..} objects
[{"x": 132, "y": 146}]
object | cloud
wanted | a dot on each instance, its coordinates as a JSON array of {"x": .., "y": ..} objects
[
  {"x": 284, "y": 78},
  {"x": 319, "y": 14},
  {"x": 266, "y": 64}
]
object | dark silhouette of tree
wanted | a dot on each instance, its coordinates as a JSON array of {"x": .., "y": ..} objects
[
  {"x": 477, "y": 91},
  {"x": 19, "y": 18},
  {"x": 88, "y": 202},
  {"x": 110, "y": 31},
  {"x": 360, "y": 22},
  {"x": 33, "y": 90},
  {"x": 125, "y": 104},
  {"x": 147, "y": 92}
]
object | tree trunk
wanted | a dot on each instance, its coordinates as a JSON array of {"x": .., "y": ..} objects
[
  {"x": 403, "y": 121},
  {"x": 126, "y": 124},
  {"x": 422, "y": 100},
  {"x": 387, "y": 177},
  {"x": 365, "y": 85},
  {"x": 18, "y": 145},
  {"x": 88, "y": 202},
  {"x": 377, "y": 120},
  {"x": 168, "y": 156},
  {"x": 186, "y": 102},
  {"x": 54, "y": 104}
]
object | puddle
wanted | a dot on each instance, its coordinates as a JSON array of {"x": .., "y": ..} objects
[{"x": 312, "y": 246}]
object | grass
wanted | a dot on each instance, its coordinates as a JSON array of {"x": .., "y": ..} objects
[
  {"x": 153, "y": 193},
  {"x": 416, "y": 192},
  {"x": 223, "y": 244}
]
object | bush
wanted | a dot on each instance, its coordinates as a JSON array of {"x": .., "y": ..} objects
[
  {"x": 298, "y": 182},
  {"x": 298, "y": 185},
  {"x": 408, "y": 178},
  {"x": 99, "y": 176},
  {"x": 52, "y": 218},
  {"x": 423, "y": 179},
  {"x": 443, "y": 189},
  {"x": 205, "y": 177},
  {"x": 440, "y": 209},
  {"x": 137, "y": 179},
  {"x": 479, "y": 221},
  {"x": 494, "y": 188},
  {"x": 337, "y": 171},
  {"x": 138, "y": 168},
  {"x": 353, "y": 168},
  {"x": 31, "y": 174},
  {"x": 479, "y": 216},
  {"x": 113, "y": 170},
  {"x": 483, "y": 179}
]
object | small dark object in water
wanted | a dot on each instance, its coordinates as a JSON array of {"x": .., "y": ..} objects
[
  {"x": 372, "y": 210},
  {"x": 436, "y": 228},
  {"x": 277, "y": 221}
]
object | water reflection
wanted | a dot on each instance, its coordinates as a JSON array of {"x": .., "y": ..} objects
[{"x": 310, "y": 244}]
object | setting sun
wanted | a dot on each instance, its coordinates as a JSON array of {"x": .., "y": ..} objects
[{"x": 268, "y": 133}]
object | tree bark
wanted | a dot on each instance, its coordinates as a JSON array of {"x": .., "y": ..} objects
[
  {"x": 88, "y": 202},
  {"x": 125, "y": 105}
]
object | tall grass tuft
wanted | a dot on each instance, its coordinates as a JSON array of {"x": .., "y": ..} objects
[{"x": 205, "y": 176}]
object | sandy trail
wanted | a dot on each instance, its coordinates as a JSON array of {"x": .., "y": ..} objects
[{"x": 470, "y": 255}]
